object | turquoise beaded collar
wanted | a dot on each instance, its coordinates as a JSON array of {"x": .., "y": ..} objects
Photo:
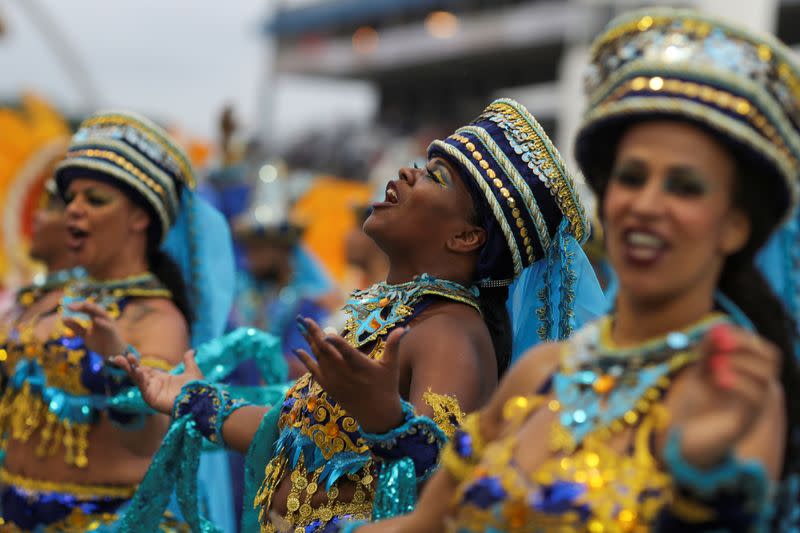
[
  {"x": 373, "y": 312},
  {"x": 601, "y": 386},
  {"x": 112, "y": 294}
]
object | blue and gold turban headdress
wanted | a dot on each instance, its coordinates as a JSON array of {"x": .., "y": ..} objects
[
  {"x": 132, "y": 153},
  {"x": 129, "y": 150},
  {"x": 534, "y": 220},
  {"x": 677, "y": 63},
  {"x": 519, "y": 183}
]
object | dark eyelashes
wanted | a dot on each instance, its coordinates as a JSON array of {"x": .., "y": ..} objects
[
  {"x": 430, "y": 175},
  {"x": 91, "y": 199}
]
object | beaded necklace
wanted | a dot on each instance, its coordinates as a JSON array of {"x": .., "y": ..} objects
[
  {"x": 41, "y": 285},
  {"x": 373, "y": 312},
  {"x": 600, "y": 386},
  {"x": 113, "y": 294}
]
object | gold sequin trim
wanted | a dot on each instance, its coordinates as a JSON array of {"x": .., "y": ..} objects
[
  {"x": 458, "y": 466},
  {"x": 698, "y": 91},
  {"x": 121, "y": 162},
  {"x": 146, "y": 130},
  {"x": 447, "y": 413},
  {"x": 553, "y": 168},
  {"x": 304, "y": 485},
  {"x": 768, "y": 49},
  {"x": 522, "y": 187},
  {"x": 80, "y": 491},
  {"x": 497, "y": 183}
]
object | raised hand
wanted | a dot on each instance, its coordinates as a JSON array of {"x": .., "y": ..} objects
[
  {"x": 366, "y": 388},
  {"x": 725, "y": 393},
  {"x": 159, "y": 389},
  {"x": 100, "y": 333}
]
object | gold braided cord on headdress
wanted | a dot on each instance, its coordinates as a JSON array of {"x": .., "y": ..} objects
[
  {"x": 494, "y": 205},
  {"x": 516, "y": 179},
  {"x": 149, "y": 129},
  {"x": 769, "y": 48},
  {"x": 551, "y": 170},
  {"x": 665, "y": 62}
]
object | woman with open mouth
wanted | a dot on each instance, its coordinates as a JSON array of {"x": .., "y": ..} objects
[
  {"x": 492, "y": 201},
  {"x": 74, "y": 454},
  {"x": 678, "y": 411}
]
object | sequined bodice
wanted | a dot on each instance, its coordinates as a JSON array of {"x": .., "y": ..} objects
[
  {"x": 588, "y": 483},
  {"x": 594, "y": 488},
  {"x": 57, "y": 385},
  {"x": 320, "y": 444}
]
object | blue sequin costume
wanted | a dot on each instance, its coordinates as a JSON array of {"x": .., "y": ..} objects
[{"x": 321, "y": 447}]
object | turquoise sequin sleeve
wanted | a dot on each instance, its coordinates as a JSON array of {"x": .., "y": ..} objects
[{"x": 175, "y": 464}]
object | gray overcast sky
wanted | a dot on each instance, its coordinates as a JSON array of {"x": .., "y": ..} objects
[{"x": 178, "y": 60}]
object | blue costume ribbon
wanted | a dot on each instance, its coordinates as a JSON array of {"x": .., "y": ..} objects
[{"x": 175, "y": 465}]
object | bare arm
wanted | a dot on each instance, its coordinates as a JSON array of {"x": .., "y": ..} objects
[
  {"x": 241, "y": 426},
  {"x": 160, "y": 389},
  {"x": 446, "y": 358},
  {"x": 160, "y": 334}
]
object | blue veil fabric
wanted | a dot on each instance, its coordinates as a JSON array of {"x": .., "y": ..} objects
[
  {"x": 200, "y": 244},
  {"x": 779, "y": 262},
  {"x": 554, "y": 296}
]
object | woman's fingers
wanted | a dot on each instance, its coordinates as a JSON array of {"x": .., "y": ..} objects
[
  {"x": 122, "y": 363},
  {"x": 76, "y": 327},
  {"x": 310, "y": 364},
  {"x": 729, "y": 350},
  {"x": 190, "y": 367},
  {"x": 106, "y": 323},
  {"x": 326, "y": 352},
  {"x": 89, "y": 308},
  {"x": 311, "y": 331},
  {"x": 142, "y": 376},
  {"x": 391, "y": 350},
  {"x": 354, "y": 358}
]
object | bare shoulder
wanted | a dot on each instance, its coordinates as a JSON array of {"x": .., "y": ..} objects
[
  {"x": 455, "y": 331},
  {"x": 153, "y": 314},
  {"x": 450, "y": 315},
  {"x": 156, "y": 327},
  {"x": 536, "y": 365},
  {"x": 450, "y": 352}
]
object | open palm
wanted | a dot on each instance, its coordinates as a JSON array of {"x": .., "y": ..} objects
[
  {"x": 159, "y": 389},
  {"x": 365, "y": 387}
]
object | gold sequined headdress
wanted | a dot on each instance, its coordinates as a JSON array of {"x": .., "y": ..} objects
[
  {"x": 131, "y": 151},
  {"x": 666, "y": 62}
]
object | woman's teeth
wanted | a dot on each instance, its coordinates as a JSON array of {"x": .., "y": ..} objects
[
  {"x": 391, "y": 196},
  {"x": 646, "y": 240},
  {"x": 643, "y": 246}
]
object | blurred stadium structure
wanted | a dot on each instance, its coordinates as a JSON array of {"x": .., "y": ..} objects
[{"x": 435, "y": 63}]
